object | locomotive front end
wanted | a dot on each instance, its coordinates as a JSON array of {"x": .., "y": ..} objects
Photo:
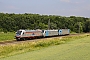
[{"x": 18, "y": 35}]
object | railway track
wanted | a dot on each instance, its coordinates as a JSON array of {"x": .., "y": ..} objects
[
  {"x": 16, "y": 42},
  {"x": 4, "y": 42}
]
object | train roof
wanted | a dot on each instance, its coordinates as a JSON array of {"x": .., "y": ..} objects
[
  {"x": 29, "y": 30},
  {"x": 50, "y": 30}
]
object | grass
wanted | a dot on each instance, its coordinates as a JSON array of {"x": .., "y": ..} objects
[
  {"x": 13, "y": 49},
  {"x": 74, "y": 48},
  {"x": 7, "y": 36}
]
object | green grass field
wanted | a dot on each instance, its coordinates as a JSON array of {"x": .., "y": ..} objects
[
  {"x": 77, "y": 49},
  {"x": 7, "y": 36}
]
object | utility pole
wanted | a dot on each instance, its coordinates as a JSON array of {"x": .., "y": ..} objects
[
  {"x": 34, "y": 24},
  {"x": 79, "y": 27},
  {"x": 49, "y": 24}
]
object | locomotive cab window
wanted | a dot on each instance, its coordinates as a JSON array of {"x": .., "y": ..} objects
[
  {"x": 19, "y": 32},
  {"x": 23, "y": 32}
]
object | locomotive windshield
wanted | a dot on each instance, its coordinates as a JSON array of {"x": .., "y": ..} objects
[{"x": 19, "y": 32}]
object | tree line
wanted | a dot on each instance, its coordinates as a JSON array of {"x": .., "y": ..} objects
[{"x": 13, "y": 22}]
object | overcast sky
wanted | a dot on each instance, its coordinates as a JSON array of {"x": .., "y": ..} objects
[{"x": 47, "y": 7}]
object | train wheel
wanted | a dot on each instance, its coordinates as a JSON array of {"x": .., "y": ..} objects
[
  {"x": 18, "y": 39},
  {"x": 22, "y": 39}
]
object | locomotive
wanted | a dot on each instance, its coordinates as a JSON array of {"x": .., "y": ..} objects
[{"x": 29, "y": 34}]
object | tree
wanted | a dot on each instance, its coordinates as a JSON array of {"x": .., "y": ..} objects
[
  {"x": 87, "y": 26},
  {"x": 13, "y": 22}
]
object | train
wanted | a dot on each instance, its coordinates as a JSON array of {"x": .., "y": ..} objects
[{"x": 30, "y": 34}]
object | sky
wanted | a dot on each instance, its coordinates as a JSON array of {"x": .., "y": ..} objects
[{"x": 79, "y": 8}]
